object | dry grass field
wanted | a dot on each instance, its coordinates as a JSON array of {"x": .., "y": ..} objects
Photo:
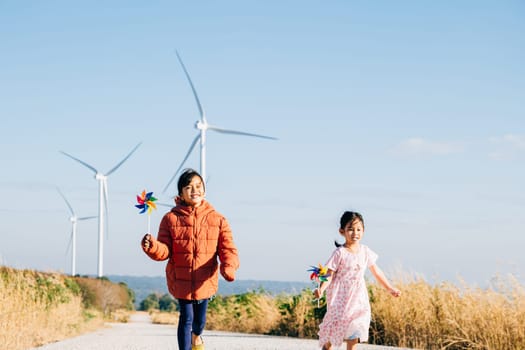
[
  {"x": 448, "y": 316},
  {"x": 38, "y": 308},
  {"x": 443, "y": 316}
]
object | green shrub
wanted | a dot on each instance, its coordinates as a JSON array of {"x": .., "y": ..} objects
[
  {"x": 51, "y": 291},
  {"x": 167, "y": 303},
  {"x": 150, "y": 303},
  {"x": 300, "y": 316},
  {"x": 72, "y": 285}
]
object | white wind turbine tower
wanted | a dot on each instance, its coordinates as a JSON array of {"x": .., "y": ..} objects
[
  {"x": 73, "y": 239},
  {"x": 203, "y": 126},
  {"x": 102, "y": 201}
]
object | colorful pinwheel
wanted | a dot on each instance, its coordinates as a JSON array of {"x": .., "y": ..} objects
[
  {"x": 319, "y": 274},
  {"x": 146, "y": 204}
]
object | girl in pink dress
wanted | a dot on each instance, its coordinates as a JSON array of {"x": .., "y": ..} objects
[{"x": 348, "y": 309}]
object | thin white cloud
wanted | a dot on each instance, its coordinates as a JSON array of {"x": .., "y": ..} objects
[
  {"x": 417, "y": 146},
  {"x": 506, "y": 146}
]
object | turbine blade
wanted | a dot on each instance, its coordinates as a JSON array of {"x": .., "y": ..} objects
[
  {"x": 70, "y": 241},
  {"x": 123, "y": 160},
  {"x": 201, "y": 110},
  {"x": 166, "y": 205},
  {"x": 80, "y": 161},
  {"x": 235, "y": 132},
  {"x": 87, "y": 217},
  {"x": 65, "y": 199},
  {"x": 183, "y": 161}
]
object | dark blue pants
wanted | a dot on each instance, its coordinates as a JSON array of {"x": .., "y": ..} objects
[{"x": 192, "y": 319}]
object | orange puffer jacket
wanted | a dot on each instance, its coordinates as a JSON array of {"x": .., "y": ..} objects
[{"x": 193, "y": 239}]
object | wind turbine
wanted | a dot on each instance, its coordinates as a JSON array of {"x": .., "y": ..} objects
[
  {"x": 102, "y": 200},
  {"x": 73, "y": 239},
  {"x": 203, "y": 126}
]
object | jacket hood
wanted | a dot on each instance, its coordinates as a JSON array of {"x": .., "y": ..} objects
[{"x": 182, "y": 209}]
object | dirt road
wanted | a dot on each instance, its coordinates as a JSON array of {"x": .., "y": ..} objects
[{"x": 141, "y": 334}]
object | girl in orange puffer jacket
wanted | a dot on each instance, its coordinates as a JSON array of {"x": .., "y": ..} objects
[{"x": 192, "y": 236}]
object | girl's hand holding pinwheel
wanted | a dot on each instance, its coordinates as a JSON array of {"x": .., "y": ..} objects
[
  {"x": 146, "y": 241},
  {"x": 146, "y": 204},
  {"x": 320, "y": 274}
]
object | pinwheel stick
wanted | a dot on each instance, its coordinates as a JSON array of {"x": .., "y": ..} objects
[{"x": 319, "y": 289}]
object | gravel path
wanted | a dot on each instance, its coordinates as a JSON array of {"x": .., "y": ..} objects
[{"x": 141, "y": 334}]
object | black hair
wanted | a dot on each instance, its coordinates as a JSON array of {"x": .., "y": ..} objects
[
  {"x": 349, "y": 216},
  {"x": 185, "y": 179}
]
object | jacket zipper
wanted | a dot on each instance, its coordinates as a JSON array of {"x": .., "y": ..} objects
[{"x": 194, "y": 236}]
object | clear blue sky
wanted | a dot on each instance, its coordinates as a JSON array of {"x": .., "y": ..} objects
[{"x": 411, "y": 112}]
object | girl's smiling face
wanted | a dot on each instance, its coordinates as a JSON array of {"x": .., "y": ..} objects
[
  {"x": 353, "y": 231},
  {"x": 193, "y": 193}
]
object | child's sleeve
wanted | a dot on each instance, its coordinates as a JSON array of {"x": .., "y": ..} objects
[
  {"x": 333, "y": 261},
  {"x": 227, "y": 251},
  {"x": 371, "y": 257}
]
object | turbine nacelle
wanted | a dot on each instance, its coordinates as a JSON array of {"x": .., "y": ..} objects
[
  {"x": 100, "y": 176},
  {"x": 201, "y": 125}
]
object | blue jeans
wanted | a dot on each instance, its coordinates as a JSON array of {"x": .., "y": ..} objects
[{"x": 192, "y": 319}]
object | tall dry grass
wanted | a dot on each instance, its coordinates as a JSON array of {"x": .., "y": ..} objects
[
  {"x": 37, "y": 308},
  {"x": 164, "y": 317},
  {"x": 446, "y": 316},
  {"x": 252, "y": 312}
]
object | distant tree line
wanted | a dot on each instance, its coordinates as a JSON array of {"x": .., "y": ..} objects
[{"x": 156, "y": 301}]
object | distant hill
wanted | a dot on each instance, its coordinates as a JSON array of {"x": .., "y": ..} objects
[{"x": 146, "y": 285}]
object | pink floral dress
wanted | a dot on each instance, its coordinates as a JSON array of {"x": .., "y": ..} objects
[{"x": 348, "y": 307}]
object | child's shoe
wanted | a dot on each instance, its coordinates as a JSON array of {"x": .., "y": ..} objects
[{"x": 198, "y": 346}]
